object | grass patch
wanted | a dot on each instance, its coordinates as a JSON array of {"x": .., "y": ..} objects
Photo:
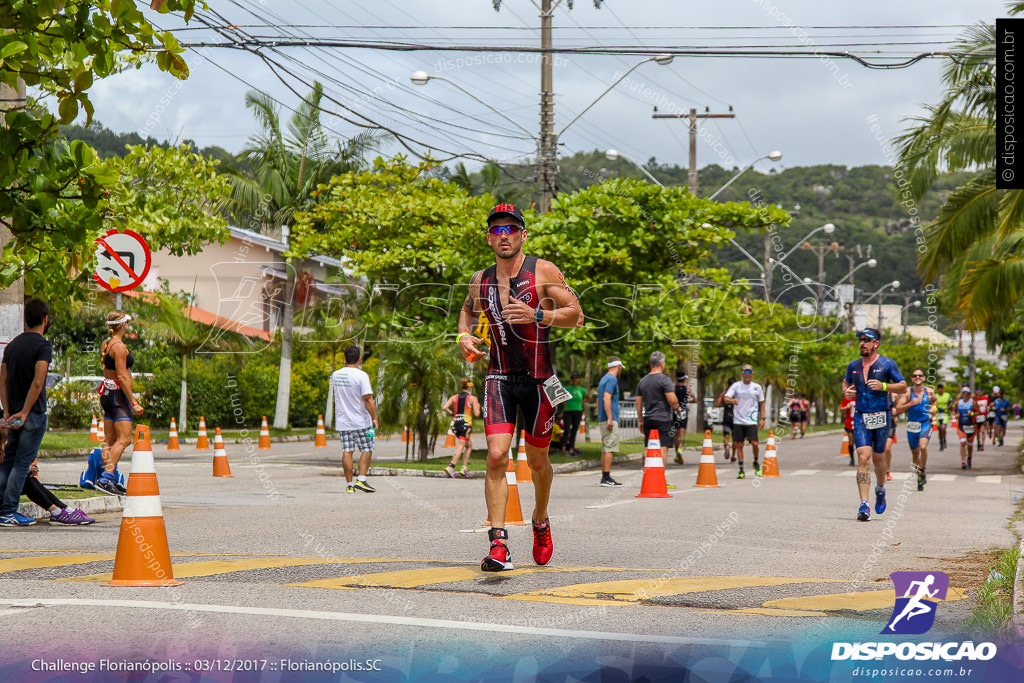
[
  {"x": 61, "y": 441},
  {"x": 994, "y": 608},
  {"x": 77, "y": 494}
]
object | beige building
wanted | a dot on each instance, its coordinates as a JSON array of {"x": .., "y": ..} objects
[{"x": 243, "y": 279}]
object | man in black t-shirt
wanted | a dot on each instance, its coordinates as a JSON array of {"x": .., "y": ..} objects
[
  {"x": 23, "y": 394},
  {"x": 656, "y": 403}
]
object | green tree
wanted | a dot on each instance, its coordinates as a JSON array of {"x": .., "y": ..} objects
[
  {"x": 977, "y": 241},
  {"x": 54, "y": 197},
  {"x": 288, "y": 166},
  {"x": 416, "y": 378}
]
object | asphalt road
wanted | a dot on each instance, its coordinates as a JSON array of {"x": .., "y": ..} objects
[{"x": 279, "y": 561}]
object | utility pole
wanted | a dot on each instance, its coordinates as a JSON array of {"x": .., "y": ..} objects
[
  {"x": 547, "y": 158},
  {"x": 692, "y": 118},
  {"x": 12, "y": 299}
]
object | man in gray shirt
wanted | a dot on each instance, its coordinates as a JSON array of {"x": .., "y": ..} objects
[{"x": 656, "y": 402}]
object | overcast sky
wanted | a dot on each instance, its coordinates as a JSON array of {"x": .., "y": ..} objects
[{"x": 813, "y": 111}]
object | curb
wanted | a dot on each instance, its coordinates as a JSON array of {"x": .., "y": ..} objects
[
  {"x": 90, "y": 506},
  {"x": 1017, "y": 606},
  {"x": 561, "y": 468}
]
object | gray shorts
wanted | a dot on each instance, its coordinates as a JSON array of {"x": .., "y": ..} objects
[
  {"x": 356, "y": 441},
  {"x": 609, "y": 439}
]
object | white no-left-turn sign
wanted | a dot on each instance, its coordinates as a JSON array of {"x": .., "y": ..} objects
[{"x": 122, "y": 260}]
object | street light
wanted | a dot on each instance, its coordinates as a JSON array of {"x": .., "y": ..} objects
[
  {"x": 774, "y": 156},
  {"x": 895, "y": 284},
  {"x": 906, "y": 313},
  {"x": 613, "y": 154},
  {"x": 421, "y": 78},
  {"x": 828, "y": 228},
  {"x": 663, "y": 60},
  {"x": 870, "y": 263}
]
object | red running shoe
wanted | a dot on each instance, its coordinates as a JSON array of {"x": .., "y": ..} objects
[
  {"x": 542, "y": 547},
  {"x": 499, "y": 559}
]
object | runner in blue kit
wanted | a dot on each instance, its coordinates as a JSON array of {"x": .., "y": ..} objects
[
  {"x": 919, "y": 405},
  {"x": 522, "y": 297},
  {"x": 869, "y": 380},
  {"x": 966, "y": 426},
  {"x": 1001, "y": 410}
]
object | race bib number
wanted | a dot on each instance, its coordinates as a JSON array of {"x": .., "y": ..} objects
[
  {"x": 967, "y": 429},
  {"x": 979, "y": 418},
  {"x": 913, "y": 428},
  {"x": 874, "y": 420},
  {"x": 556, "y": 393}
]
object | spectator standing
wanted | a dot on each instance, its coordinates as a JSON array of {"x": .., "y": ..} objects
[
  {"x": 656, "y": 403},
  {"x": 355, "y": 417},
  {"x": 23, "y": 394},
  {"x": 682, "y": 398},
  {"x": 573, "y": 413},
  {"x": 608, "y": 418}
]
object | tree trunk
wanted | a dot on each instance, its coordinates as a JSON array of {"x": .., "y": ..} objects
[
  {"x": 182, "y": 412},
  {"x": 284, "y": 375}
]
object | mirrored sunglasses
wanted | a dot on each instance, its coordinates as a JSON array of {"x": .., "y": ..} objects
[{"x": 504, "y": 229}]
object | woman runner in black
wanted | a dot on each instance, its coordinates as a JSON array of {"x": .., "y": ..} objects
[{"x": 523, "y": 297}]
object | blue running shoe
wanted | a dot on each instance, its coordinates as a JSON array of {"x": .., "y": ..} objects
[
  {"x": 864, "y": 514},
  {"x": 880, "y": 501}
]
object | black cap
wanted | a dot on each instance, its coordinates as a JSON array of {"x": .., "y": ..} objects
[
  {"x": 871, "y": 333},
  {"x": 507, "y": 210}
]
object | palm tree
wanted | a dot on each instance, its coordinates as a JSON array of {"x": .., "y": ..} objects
[
  {"x": 287, "y": 168},
  {"x": 977, "y": 241},
  {"x": 416, "y": 379},
  {"x": 174, "y": 324}
]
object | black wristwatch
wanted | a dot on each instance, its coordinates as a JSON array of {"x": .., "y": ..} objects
[{"x": 538, "y": 315}]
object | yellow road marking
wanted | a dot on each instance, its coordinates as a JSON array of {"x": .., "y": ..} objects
[
  {"x": 634, "y": 590},
  {"x": 411, "y": 578},
  {"x": 212, "y": 567},
  {"x": 42, "y": 561},
  {"x": 765, "y": 612},
  {"x": 860, "y": 601}
]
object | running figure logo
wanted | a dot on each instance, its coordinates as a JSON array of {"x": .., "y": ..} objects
[{"x": 916, "y": 593}]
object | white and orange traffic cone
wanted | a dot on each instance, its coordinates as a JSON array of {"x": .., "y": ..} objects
[
  {"x": 513, "y": 509},
  {"x": 221, "y": 468},
  {"x": 771, "y": 462},
  {"x": 320, "y": 441},
  {"x": 202, "y": 441},
  {"x": 654, "y": 485},
  {"x": 845, "y": 448},
  {"x": 405, "y": 434},
  {"x": 264, "y": 434},
  {"x": 524, "y": 474},
  {"x": 172, "y": 437},
  {"x": 449, "y": 440},
  {"x": 583, "y": 427},
  {"x": 707, "y": 475},
  {"x": 93, "y": 434},
  {"x": 101, "y": 435},
  {"x": 143, "y": 557}
]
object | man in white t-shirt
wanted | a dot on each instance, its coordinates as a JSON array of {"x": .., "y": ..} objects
[
  {"x": 747, "y": 416},
  {"x": 355, "y": 417}
]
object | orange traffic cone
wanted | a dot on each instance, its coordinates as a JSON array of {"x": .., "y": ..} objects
[
  {"x": 143, "y": 557},
  {"x": 845, "y": 448},
  {"x": 221, "y": 468},
  {"x": 321, "y": 434},
  {"x": 654, "y": 485},
  {"x": 524, "y": 474},
  {"x": 583, "y": 427},
  {"x": 771, "y": 462},
  {"x": 513, "y": 511},
  {"x": 264, "y": 434},
  {"x": 707, "y": 476},
  {"x": 93, "y": 434},
  {"x": 202, "y": 442},
  {"x": 405, "y": 435},
  {"x": 172, "y": 437},
  {"x": 449, "y": 441},
  {"x": 100, "y": 434}
]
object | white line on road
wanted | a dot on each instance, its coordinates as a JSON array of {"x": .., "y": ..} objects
[
  {"x": 608, "y": 505},
  {"x": 380, "y": 619},
  {"x": 804, "y": 473},
  {"x": 941, "y": 477},
  {"x": 989, "y": 479}
]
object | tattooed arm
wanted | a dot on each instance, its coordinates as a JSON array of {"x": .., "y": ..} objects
[{"x": 468, "y": 316}]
